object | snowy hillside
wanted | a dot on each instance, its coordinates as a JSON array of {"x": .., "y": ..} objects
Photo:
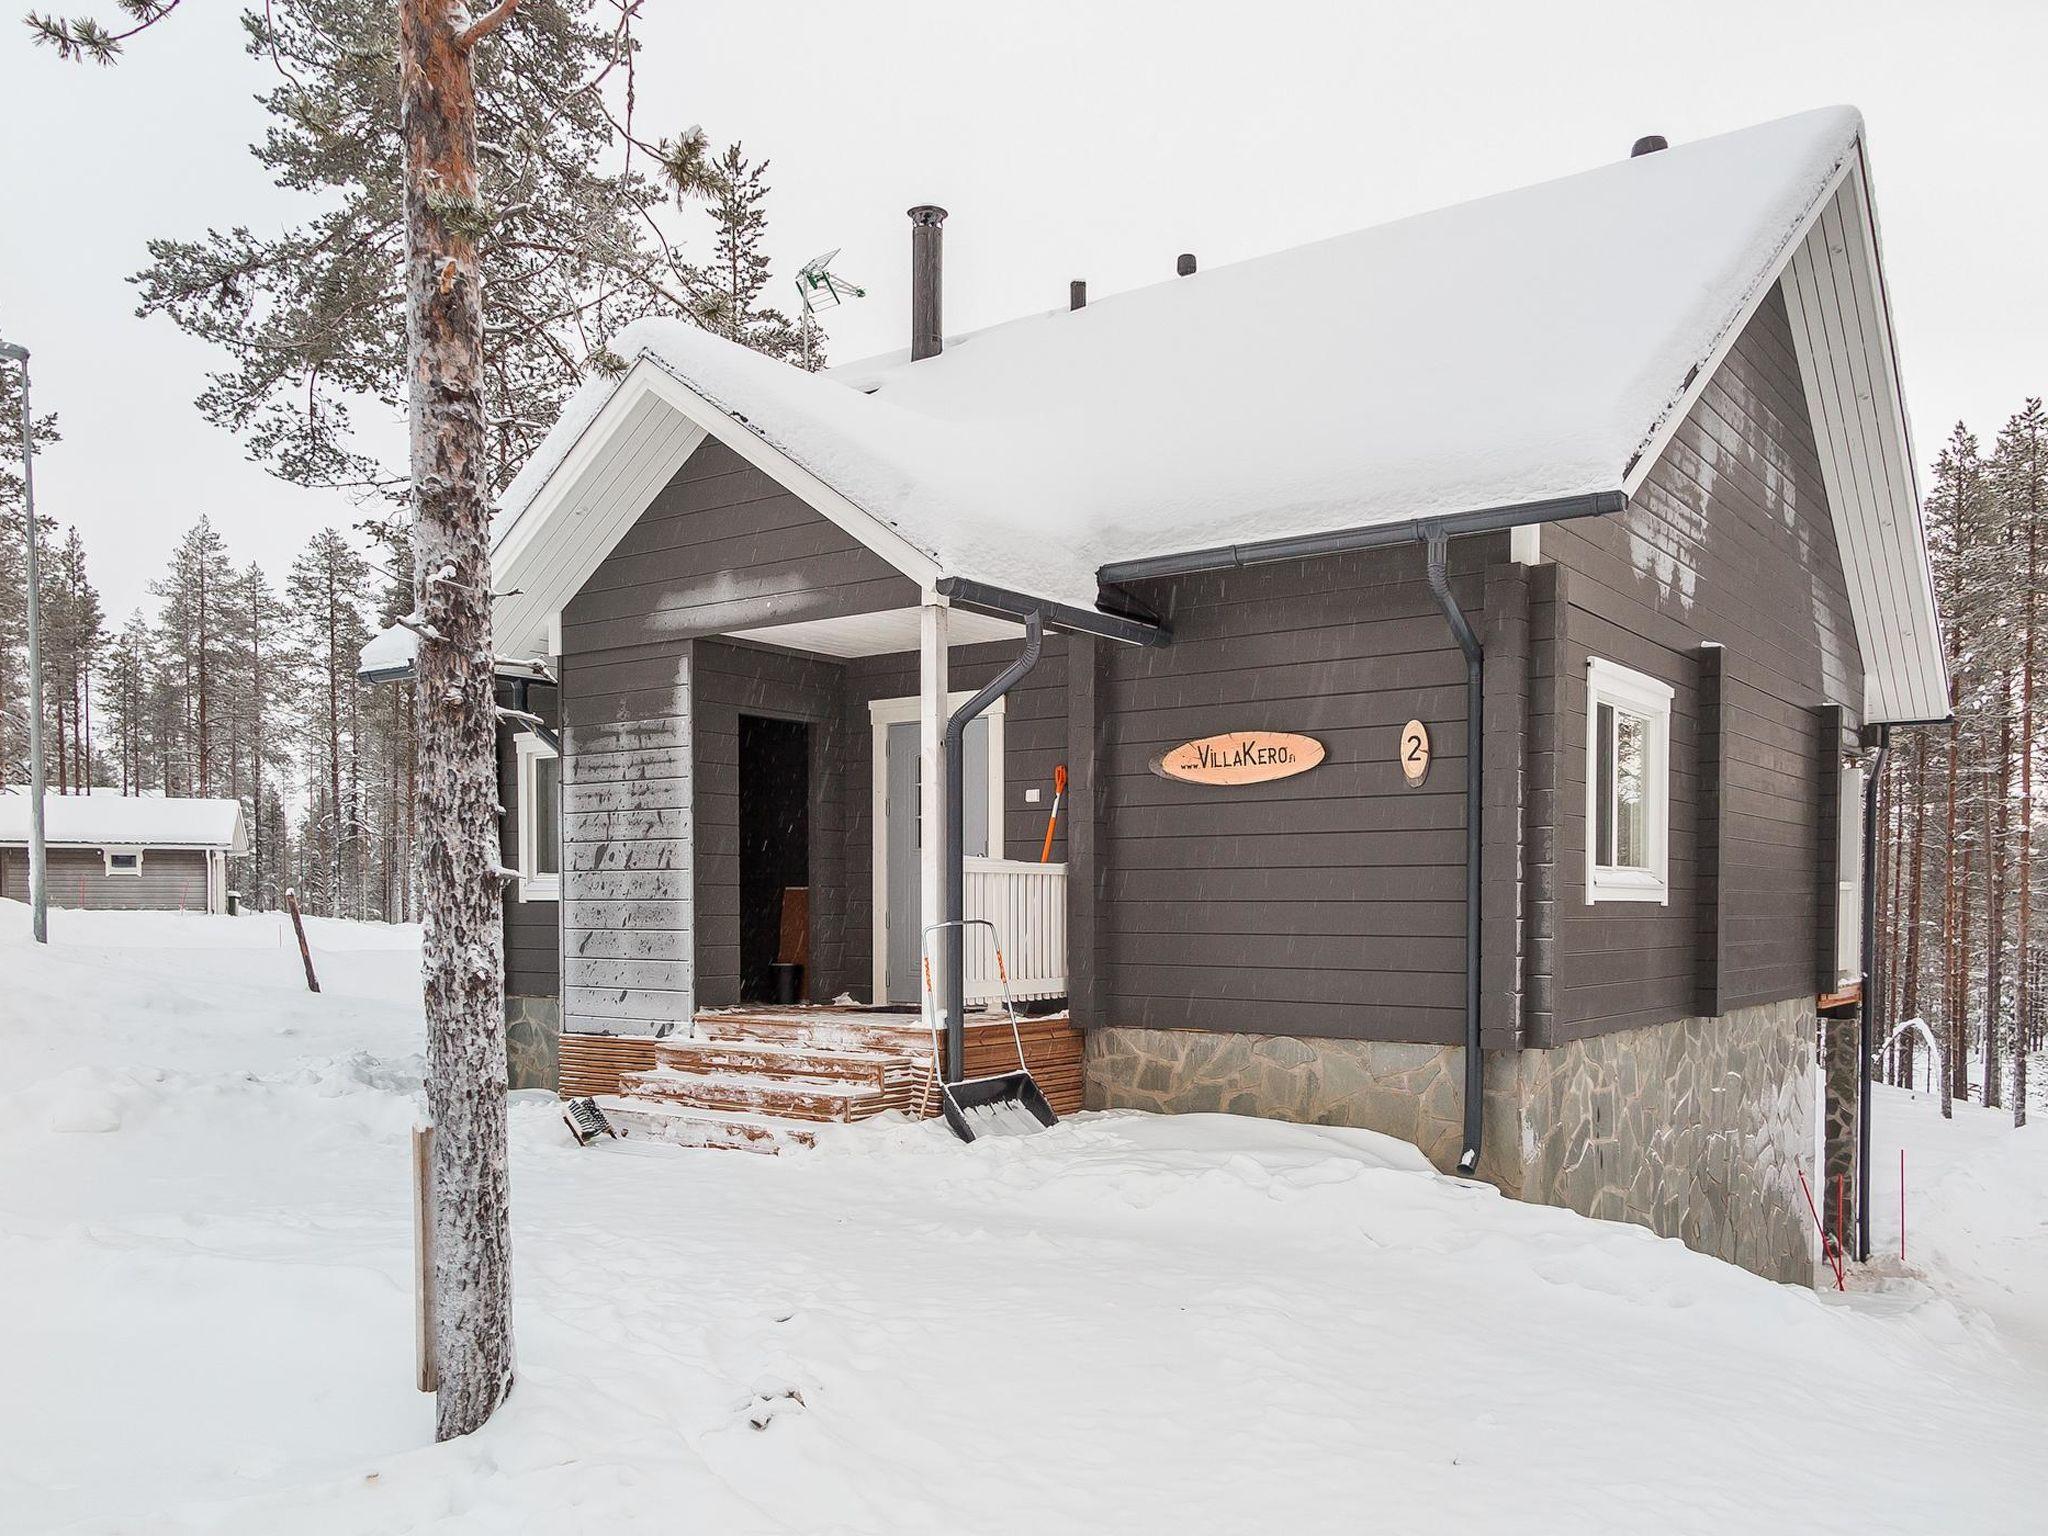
[{"x": 1130, "y": 1325}]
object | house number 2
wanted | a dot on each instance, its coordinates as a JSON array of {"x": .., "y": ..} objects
[{"x": 1415, "y": 752}]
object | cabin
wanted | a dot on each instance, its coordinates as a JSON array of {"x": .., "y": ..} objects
[
  {"x": 1453, "y": 651},
  {"x": 110, "y": 852}
]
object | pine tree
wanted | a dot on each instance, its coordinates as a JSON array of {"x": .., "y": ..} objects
[
  {"x": 13, "y": 576},
  {"x": 2023, "y": 485},
  {"x": 738, "y": 271},
  {"x": 567, "y": 231},
  {"x": 328, "y": 592},
  {"x": 125, "y": 678},
  {"x": 192, "y": 625}
]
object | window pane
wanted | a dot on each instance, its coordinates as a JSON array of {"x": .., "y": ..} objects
[
  {"x": 1603, "y": 782},
  {"x": 547, "y": 837},
  {"x": 1631, "y": 791}
]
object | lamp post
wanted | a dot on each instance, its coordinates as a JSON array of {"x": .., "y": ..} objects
[{"x": 38, "y": 863}]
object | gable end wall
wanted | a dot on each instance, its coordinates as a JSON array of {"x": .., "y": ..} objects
[{"x": 1729, "y": 541}]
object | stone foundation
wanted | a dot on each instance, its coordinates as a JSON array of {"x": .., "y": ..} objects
[
  {"x": 533, "y": 1042},
  {"x": 1694, "y": 1129}
]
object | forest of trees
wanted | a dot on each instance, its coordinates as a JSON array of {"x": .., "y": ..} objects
[
  {"x": 238, "y": 682},
  {"x": 229, "y": 685},
  {"x": 1959, "y": 900}
]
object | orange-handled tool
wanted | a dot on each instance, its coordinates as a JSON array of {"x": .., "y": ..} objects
[{"x": 1059, "y": 788}]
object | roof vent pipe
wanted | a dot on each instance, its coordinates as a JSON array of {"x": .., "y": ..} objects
[
  {"x": 1648, "y": 144},
  {"x": 1077, "y": 294},
  {"x": 1185, "y": 267},
  {"x": 927, "y": 295}
]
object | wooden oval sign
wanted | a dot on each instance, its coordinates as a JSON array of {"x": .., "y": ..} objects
[
  {"x": 1240, "y": 757},
  {"x": 1415, "y": 752}
]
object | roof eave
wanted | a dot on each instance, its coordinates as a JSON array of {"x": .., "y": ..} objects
[{"x": 1225, "y": 557}]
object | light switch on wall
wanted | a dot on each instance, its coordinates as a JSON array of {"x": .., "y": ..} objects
[{"x": 1031, "y": 796}]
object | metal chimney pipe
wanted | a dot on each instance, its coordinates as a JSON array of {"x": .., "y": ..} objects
[
  {"x": 927, "y": 293},
  {"x": 1077, "y": 294},
  {"x": 1648, "y": 144},
  {"x": 1185, "y": 267}
]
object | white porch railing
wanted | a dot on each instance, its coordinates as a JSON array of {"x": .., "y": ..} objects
[{"x": 1028, "y": 904}]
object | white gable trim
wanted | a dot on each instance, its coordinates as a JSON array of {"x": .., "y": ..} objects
[
  {"x": 642, "y": 435},
  {"x": 1848, "y": 363}
]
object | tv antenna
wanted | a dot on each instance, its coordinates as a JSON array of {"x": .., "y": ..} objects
[{"x": 821, "y": 288}]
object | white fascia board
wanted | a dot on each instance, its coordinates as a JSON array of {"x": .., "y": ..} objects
[
  {"x": 1916, "y": 567},
  {"x": 1848, "y": 364}
]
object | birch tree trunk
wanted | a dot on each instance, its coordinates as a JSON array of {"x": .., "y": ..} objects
[{"x": 462, "y": 894}]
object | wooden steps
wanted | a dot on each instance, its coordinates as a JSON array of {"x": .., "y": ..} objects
[
  {"x": 638, "y": 1119},
  {"x": 754, "y": 1078},
  {"x": 786, "y": 1097},
  {"x": 775, "y": 1058}
]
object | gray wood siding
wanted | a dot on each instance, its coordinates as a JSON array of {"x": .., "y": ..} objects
[
  {"x": 724, "y": 547},
  {"x": 172, "y": 880},
  {"x": 1728, "y": 541},
  {"x": 533, "y": 929},
  {"x": 626, "y": 840},
  {"x": 1329, "y": 904},
  {"x": 732, "y": 680}
]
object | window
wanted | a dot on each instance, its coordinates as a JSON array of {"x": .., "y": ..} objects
[
  {"x": 1628, "y": 784},
  {"x": 123, "y": 861},
  {"x": 1849, "y": 878},
  {"x": 540, "y": 820}
]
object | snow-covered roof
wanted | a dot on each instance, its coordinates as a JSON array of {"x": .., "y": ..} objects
[
  {"x": 1532, "y": 346},
  {"x": 107, "y": 818}
]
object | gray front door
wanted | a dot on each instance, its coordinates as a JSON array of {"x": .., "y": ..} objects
[{"x": 904, "y": 836}]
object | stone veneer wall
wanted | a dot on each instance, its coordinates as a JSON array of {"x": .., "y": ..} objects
[
  {"x": 533, "y": 1042},
  {"x": 1695, "y": 1129}
]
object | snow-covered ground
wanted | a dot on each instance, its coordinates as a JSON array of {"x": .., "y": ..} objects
[{"x": 1127, "y": 1324}]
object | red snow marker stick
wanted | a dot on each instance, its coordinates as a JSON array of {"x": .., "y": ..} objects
[{"x": 1821, "y": 1227}]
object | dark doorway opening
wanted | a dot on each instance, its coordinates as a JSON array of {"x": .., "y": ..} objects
[{"x": 775, "y": 858}]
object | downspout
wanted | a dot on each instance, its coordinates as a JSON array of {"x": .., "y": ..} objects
[
  {"x": 1475, "y": 775},
  {"x": 1865, "y": 1028},
  {"x": 956, "y": 841}
]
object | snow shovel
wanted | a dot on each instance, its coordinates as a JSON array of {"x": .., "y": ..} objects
[{"x": 1006, "y": 1103}]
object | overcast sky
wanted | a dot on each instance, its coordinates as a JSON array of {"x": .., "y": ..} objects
[{"x": 1068, "y": 140}]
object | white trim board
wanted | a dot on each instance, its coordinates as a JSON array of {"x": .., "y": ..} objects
[
  {"x": 883, "y": 713},
  {"x": 1841, "y": 323}
]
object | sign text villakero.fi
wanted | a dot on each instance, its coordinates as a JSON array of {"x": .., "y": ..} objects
[{"x": 1240, "y": 757}]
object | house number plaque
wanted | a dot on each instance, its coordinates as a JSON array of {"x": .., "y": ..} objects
[{"x": 1415, "y": 753}]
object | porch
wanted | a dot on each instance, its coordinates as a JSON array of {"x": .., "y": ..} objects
[
  {"x": 756, "y": 817},
  {"x": 759, "y": 1078}
]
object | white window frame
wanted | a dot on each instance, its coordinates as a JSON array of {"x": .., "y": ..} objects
[
  {"x": 883, "y": 713},
  {"x": 1849, "y": 876},
  {"x": 532, "y": 750},
  {"x": 1649, "y": 699},
  {"x": 107, "y": 856}
]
